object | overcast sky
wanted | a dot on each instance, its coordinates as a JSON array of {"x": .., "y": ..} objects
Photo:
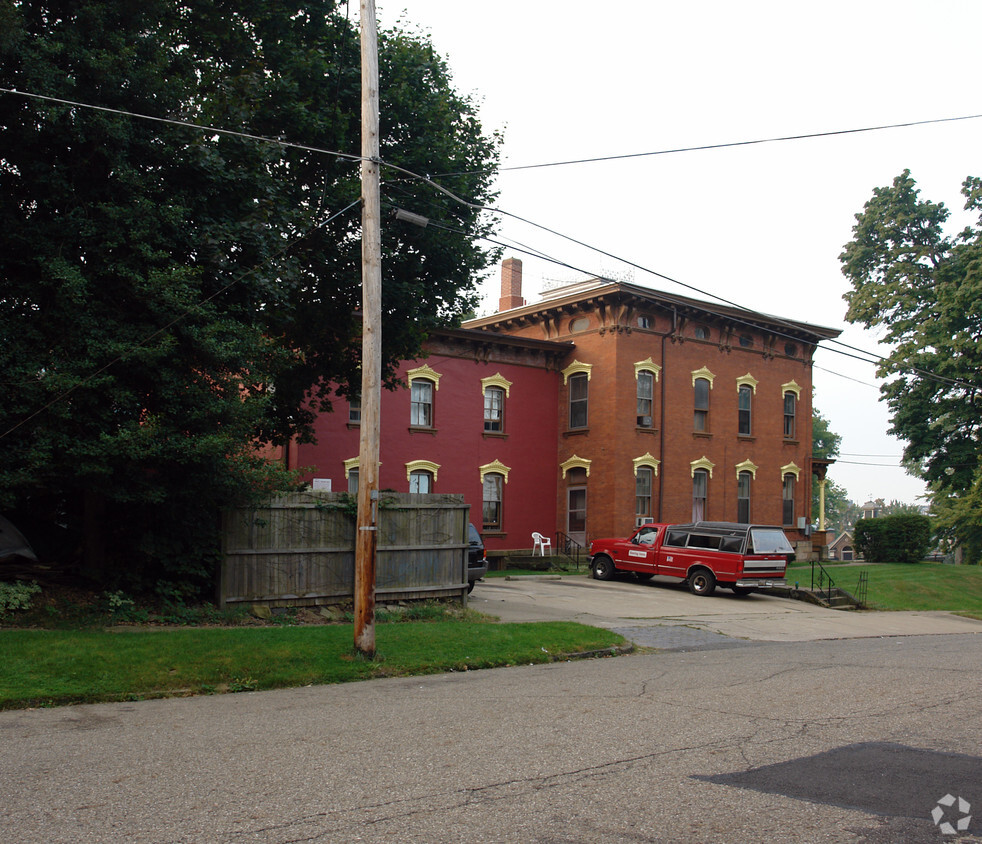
[{"x": 761, "y": 225}]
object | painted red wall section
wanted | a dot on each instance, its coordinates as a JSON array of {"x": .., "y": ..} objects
[{"x": 458, "y": 443}]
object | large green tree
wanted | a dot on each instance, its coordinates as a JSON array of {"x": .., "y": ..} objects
[
  {"x": 825, "y": 445},
  {"x": 922, "y": 288},
  {"x": 171, "y": 296}
]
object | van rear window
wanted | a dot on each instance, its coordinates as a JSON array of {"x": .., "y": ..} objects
[{"x": 768, "y": 541}]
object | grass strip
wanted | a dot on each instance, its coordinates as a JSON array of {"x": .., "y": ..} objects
[
  {"x": 57, "y": 667},
  {"x": 910, "y": 586}
]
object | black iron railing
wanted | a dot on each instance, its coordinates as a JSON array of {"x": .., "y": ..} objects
[
  {"x": 825, "y": 583},
  {"x": 861, "y": 589},
  {"x": 570, "y": 547}
]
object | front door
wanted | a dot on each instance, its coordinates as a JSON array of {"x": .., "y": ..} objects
[{"x": 576, "y": 514}]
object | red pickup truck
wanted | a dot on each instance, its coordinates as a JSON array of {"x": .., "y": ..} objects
[{"x": 743, "y": 558}]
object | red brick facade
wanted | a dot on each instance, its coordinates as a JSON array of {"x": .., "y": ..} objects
[{"x": 600, "y": 340}]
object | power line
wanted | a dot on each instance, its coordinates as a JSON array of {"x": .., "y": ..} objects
[
  {"x": 704, "y": 147},
  {"x": 869, "y": 357}
]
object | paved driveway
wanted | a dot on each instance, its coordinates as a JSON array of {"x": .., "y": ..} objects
[{"x": 667, "y": 616}]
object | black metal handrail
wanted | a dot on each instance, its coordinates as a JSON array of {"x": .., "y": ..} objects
[
  {"x": 565, "y": 544},
  {"x": 825, "y": 582}
]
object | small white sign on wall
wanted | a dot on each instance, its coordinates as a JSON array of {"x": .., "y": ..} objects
[{"x": 323, "y": 484}]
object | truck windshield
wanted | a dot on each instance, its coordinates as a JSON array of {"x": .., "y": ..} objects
[{"x": 769, "y": 541}]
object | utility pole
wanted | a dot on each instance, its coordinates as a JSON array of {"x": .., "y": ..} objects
[{"x": 371, "y": 343}]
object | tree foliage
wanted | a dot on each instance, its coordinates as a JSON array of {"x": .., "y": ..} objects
[
  {"x": 903, "y": 538},
  {"x": 922, "y": 288},
  {"x": 825, "y": 445},
  {"x": 170, "y": 297}
]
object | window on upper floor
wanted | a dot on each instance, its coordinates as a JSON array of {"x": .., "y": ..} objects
[
  {"x": 421, "y": 403},
  {"x": 790, "y": 409},
  {"x": 745, "y": 397},
  {"x": 701, "y": 332},
  {"x": 354, "y": 409},
  {"x": 494, "y": 410},
  {"x": 579, "y": 386},
  {"x": 646, "y": 392},
  {"x": 701, "y": 403}
]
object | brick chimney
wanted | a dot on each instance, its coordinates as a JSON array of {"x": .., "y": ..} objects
[{"x": 511, "y": 285}]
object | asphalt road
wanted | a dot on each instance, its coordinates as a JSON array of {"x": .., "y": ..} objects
[{"x": 817, "y": 740}]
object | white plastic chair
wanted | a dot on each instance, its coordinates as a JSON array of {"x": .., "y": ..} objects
[{"x": 541, "y": 542}]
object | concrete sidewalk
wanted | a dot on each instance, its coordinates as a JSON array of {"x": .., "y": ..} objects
[{"x": 625, "y": 605}]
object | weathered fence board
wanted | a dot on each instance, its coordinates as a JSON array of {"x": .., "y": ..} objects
[{"x": 299, "y": 549}]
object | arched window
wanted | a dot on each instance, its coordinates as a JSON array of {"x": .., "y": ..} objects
[
  {"x": 646, "y": 392},
  {"x": 421, "y": 408},
  {"x": 579, "y": 386},
  {"x": 743, "y": 497},
  {"x": 700, "y": 491},
  {"x": 745, "y": 397},
  {"x": 494, "y": 410},
  {"x": 701, "y": 403},
  {"x": 420, "y": 481},
  {"x": 493, "y": 494},
  {"x": 790, "y": 407},
  {"x": 642, "y": 494},
  {"x": 788, "y": 498}
]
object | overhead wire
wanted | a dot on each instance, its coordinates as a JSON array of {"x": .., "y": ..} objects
[{"x": 867, "y": 357}]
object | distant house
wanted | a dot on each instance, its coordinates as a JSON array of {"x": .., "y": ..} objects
[
  {"x": 843, "y": 548},
  {"x": 599, "y": 407}
]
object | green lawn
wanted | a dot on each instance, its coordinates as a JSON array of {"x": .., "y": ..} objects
[
  {"x": 901, "y": 586},
  {"x": 53, "y": 667}
]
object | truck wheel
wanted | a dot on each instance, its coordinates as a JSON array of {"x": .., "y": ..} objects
[
  {"x": 470, "y": 586},
  {"x": 702, "y": 582},
  {"x": 743, "y": 590},
  {"x": 603, "y": 568}
]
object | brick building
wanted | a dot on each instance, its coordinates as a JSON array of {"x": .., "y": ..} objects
[{"x": 602, "y": 405}]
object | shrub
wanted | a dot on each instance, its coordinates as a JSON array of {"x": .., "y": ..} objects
[
  {"x": 16, "y": 596},
  {"x": 904, "y": 538}
]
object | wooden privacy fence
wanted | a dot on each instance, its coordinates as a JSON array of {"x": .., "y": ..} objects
[{"x": 299, "y": 549}]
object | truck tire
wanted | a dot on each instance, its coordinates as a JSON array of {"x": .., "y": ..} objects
[
  {"x": 702, "y": 582},
  {"x": 603, "y": 567}
]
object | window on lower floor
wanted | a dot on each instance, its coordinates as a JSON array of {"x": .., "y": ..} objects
[
  {"x": 352, "y": 481},
  {"x": 743, "y": 497},
  {"x": 420, "y": 482},
  {"x": 788, "y": 499},
  {"x": 492, "y": 508},
  {"x": 642, "y": 494},
  {"x": 700, "y": 490}
]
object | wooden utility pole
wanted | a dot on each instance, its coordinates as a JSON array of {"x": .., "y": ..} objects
[{"x": 371, "y": 355}]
